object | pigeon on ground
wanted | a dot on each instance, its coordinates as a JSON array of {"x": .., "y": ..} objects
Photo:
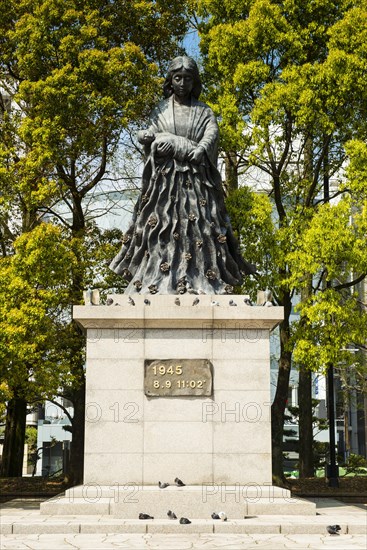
[
  {"x": 109, "y": 301},
  {"x": 215, "y": 303},
  {"x": 247, "y": 301},
  {"x": 184, "y": 521},
  {"x": 130, "y": 301},
  {"x": 179, "y": 483},
  {"x": 215, "y": 516},
  {"x": 232, "y": 303},
  {"x": 195, "y": 302},
  {"x": 171, "y": 514},
  {"x": 147, "y": 302},
  {"x": 177, "y": 302},
  {"x": 222, "y": 516},
  {"x": 145, "y": 516},
  {"x": 333, "y": 529},
  {"x": 162, "y": 485}
]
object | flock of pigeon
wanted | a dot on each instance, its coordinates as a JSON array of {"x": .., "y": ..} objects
[
  {"x": 178, "y": 483},
  {"x": 331, "y": 529},
  {"x": 196, "y": 301},
  {"x": 172, "y": 515}
]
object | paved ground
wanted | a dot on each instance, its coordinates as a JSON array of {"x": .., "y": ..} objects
[
  {"x": 181, "y": 542},
  {"x": 22, "y": 527}
]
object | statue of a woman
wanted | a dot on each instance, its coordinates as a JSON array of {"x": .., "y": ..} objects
[{"x": 180, "y": 238}]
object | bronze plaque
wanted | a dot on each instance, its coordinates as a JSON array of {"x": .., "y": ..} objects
[{"x": 176, "y": 377}]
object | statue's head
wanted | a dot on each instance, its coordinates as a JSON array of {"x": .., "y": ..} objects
[{"x": 189, "y": 65}]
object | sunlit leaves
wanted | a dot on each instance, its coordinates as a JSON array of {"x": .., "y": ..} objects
[
  {"x": 357, "y": 168},
  {"x": 334, "y": 242},
  {"x": 251, "y": 219},
  {"x": 33, "y": 294},
  {"x": 293, "y": 73},
  {"x": 334, "y": 322}
]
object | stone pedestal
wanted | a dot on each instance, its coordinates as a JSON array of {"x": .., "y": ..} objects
[{"x": 219, "y": 445}]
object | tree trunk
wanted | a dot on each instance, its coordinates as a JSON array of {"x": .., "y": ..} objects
[
  {"x": 13, "y": 452},
  {"x": 306, "y": 466},
  {"x": 77, "y": 393},
  {"x": 76, "y": 464},
  {"x": 231, "y": 172},
  {"x": 281, "y": 395}
]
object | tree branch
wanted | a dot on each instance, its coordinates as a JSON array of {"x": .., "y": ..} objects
[
  {"x": 63, "y": 409},
  {"x": 53, "y": 213},
  {"x": 351, "y": 283},
  {"x": 100, "y": 172},
  {"x": 315, "y": 180}
]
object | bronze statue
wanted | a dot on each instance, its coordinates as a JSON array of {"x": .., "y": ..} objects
[{"x": 180, "y": 238}]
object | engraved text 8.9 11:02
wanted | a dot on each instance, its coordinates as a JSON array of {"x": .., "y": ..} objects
[{"x": 178, "y": 377}]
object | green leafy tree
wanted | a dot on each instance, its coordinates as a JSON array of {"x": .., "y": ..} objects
[
  {"x": 287, "y": 79},
  {"x": 34, "y": 290},
  {"x": 78, "y": 74}
]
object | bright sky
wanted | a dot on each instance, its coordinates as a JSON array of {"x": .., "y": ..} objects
[{"x": 191, "y": 44}]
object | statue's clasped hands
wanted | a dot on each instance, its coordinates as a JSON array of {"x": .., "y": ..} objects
[{"x": 164, "y": 149}]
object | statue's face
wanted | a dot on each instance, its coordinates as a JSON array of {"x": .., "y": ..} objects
[{"x": 182, "y": 83}]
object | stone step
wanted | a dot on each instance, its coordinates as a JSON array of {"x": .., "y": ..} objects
[
  {"x": 127, "y": 502},
  {"x": 106, "y": 525},
  {"x": 237, "y": 492}
]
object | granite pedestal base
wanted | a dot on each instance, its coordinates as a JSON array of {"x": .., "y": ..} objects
[
  {"x": 195, "y": 502},
  {"x": 216, "y": 443}
]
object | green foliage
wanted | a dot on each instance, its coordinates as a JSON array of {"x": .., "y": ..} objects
[
  {"x": 357, "y": 168},
  {"x": 320, "y": 454},
  {"x": 320, "y": 449},
  {"x": 356, "y": 465},
  {"x": 5, "y": 396},
  {"x": 291, "y": 75},
  {"x": 331, "y": 247},
  {"x": 99, "y": 248},
  {"x": 317, "y": 423},
  {"x": 31, "y": 438},
  {"x": 78, "y": 74},
  {"x": 288, "y": 79},
  {"x": 251, "y": 219},
  {"x": 34, "y": 292},
  {"x": 333, "y": 321}
]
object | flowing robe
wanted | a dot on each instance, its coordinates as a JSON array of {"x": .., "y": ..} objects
[{"x": 180, "y": 238}]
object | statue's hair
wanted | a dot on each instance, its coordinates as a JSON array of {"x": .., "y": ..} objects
[{"x": 177, "y": 64}]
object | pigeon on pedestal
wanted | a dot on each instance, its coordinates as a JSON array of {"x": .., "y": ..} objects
[
  {"x": 162, "y": 485},
  {"x": 184, "y": 521},
  {"x": 333, "y": 529},
  {"x": 145, "y": 516}
]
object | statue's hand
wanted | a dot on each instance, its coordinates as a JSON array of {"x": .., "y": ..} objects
[
  {"x": 196, "y": 155},
  {"x": 164, "y": 149}
]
